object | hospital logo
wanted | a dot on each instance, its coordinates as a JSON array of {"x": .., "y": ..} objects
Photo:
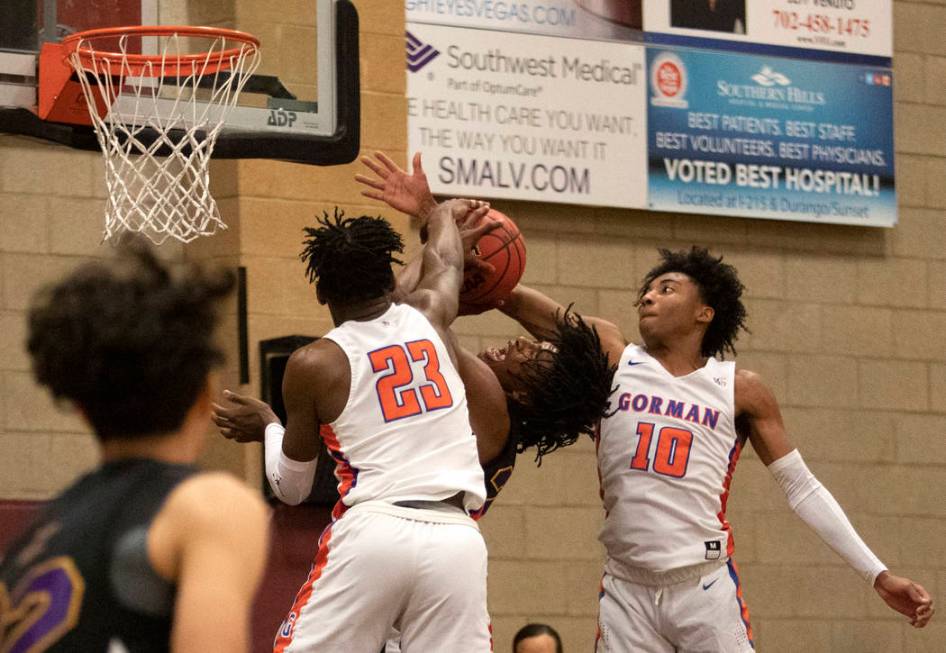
[
  {"x": 768, "y": 77},
  {"x": 668, "y": 81}
]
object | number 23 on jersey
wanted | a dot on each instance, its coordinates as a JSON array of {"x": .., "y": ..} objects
[{"x": 393, "y": 363}]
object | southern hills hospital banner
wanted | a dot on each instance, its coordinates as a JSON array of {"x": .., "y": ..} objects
[
  {"x": 776, "y": 109},
  {"x": 773, "y": 138}
]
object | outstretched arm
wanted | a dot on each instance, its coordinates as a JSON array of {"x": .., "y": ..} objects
[
  {"x": 536, "y": 312},
  {"x": 812, "y": 502}
]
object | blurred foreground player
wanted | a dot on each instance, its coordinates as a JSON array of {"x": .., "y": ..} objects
[
  {"x": 135, "y": 555},
  {"x": 402, "y": 550},
  {"x": 666, "y": 459}
]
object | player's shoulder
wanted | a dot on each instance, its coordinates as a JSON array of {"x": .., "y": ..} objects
[
  {"x": 747, "y": 379},
  {"x": 612, "y": 339},
  {"x": 752, "y": 393},
  {"x": 316, "y": 358},
  {"x": 429, "y": 303},
  {"x": 216, "y": 501}
]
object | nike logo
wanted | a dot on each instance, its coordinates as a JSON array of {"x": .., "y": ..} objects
[
  {"x": 635, "y": 362},
  {"x": 708, "y": 585}
]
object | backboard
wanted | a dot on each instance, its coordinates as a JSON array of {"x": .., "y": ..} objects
[{"x": 302, "y": 105}]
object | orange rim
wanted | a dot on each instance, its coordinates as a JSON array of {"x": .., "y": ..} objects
[{"x": 214, "y": 60}]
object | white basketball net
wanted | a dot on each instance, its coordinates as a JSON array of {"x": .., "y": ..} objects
[{"x": 160, "y": 128}]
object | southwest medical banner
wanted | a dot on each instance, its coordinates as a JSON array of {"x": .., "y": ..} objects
[
  {"x": 528, "y": 117},
  {"x": 762, "y": 137}
]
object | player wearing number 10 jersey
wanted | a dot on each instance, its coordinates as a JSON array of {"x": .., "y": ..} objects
[
  {"x": 666, "y": 458},
  {"x": 383, "y": 392}
]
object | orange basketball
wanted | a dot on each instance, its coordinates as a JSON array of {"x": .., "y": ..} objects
[{"x": 505, "y": 250}]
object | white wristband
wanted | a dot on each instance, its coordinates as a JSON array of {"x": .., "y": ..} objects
[{"x": 290, "y": 480}]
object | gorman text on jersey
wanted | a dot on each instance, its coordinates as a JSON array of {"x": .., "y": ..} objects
[{"x": 656, "y": 405}]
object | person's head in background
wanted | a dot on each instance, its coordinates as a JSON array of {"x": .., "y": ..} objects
[{"x": 536, "y": 638}]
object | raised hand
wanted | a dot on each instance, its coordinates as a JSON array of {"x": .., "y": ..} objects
[
  {"x": 407, "y": 193},
  {"x": 244, "y": 419},
  {"x": 906, "y": 597}
]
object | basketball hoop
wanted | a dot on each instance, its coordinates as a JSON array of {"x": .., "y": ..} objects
[{"x": 157, "y": 117}]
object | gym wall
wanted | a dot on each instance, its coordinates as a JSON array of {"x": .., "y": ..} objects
[{"x": 848, "y": 328}]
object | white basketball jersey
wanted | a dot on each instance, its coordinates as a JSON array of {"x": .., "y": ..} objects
[
  {"x": 404, "y": 434},
  {"x": 666, "y": 459}
]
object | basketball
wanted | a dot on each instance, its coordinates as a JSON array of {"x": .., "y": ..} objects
[{"x": 505, "y": 250}]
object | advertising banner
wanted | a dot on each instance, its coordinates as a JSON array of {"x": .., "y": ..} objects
[
  {"x": 528, "y": 117},
  {"x": 851, "y": 26},
  {"x": 618, "y": 20},
  {"x": 757, "y": 136}
]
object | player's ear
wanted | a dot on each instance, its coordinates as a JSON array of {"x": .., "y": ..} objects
[{"x": 705, "y": 314}]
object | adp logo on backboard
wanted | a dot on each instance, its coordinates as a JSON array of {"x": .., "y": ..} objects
[
  {"x": 419, "y": 54},
  {"x": 281, "y": 118}
]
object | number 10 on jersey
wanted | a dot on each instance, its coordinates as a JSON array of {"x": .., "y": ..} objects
[
  {"x": 672, "y": 453},
  {"x": 399, "y": 401}
]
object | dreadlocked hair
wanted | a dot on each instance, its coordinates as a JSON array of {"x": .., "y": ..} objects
[
  {"x": 349, "y": 259},
  {"x": 720, "y": 289},
  {"x": 564, "y": 397}
]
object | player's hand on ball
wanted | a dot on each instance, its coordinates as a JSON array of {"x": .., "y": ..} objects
[
  {"x": 472, "y": 228},
  {"x": 408, "y": 193},
  {"x": 906, "y": 597},
  {"x": 466, "y": 210},
  {"x": 244, "y": 419}
]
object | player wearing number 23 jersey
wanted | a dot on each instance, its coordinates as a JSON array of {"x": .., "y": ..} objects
[
  {"x": 405, "y": 394},
  {"x": 382, "y": 391}
]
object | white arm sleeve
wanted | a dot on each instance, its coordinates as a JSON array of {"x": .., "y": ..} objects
[
  {"x": 290, "y": 480},
  {"x": 817, "y": 508}
]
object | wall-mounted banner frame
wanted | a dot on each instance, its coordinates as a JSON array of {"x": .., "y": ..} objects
[
  {"x": 527, "y": 117},
  {"x": 757, "y": 136},
  {"x": 847, "y": 26},
  {"x": 773, "y": 109}
]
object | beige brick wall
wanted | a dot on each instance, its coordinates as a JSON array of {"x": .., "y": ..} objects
[{"x": 848, "y": 329}]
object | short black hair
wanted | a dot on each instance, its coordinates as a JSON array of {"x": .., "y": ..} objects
[
  {"x": 719, "y": 288},
  {"x": 128, "y": 339},
  {"x": 534, "y": 630},
  {"x": 564, "y": 397},
  {"x": 349, "y": 259}
]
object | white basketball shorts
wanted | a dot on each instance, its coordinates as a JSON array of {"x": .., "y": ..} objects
[
  {"x": 703, "y": 614},
  {"x": 381, "y": 566}
]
